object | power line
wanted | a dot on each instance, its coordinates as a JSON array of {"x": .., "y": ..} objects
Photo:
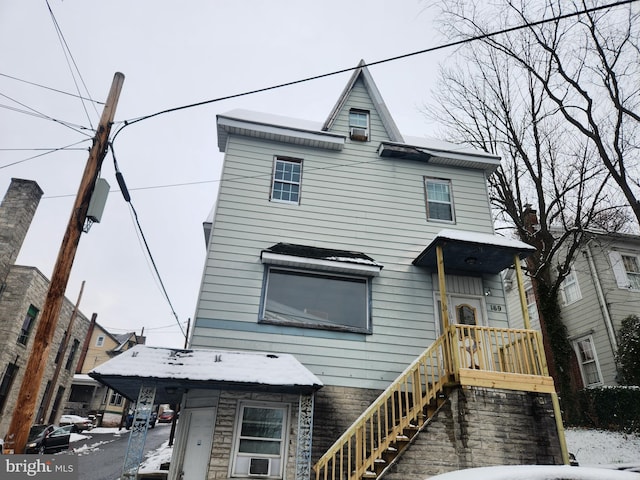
[
  {"x": 68, "y": 55},
  {"x": 45, "y": 153},
  {"x": 127, "y": 198},
  {"x": 35, "y": 113},
  {"x": 50, "y": 88},
  {"x": 378, "y": 62}
]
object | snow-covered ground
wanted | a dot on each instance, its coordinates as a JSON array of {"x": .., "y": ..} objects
[{"x": 591, "y": 448}]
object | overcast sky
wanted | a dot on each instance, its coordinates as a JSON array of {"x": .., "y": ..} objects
[{"x": 172, "y": 54}]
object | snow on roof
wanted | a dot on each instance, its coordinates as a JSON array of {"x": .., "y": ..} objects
[
  {"x": 271, "y": 119},
  {"x": 208, "y": 365},
  {"x": 483, "y": 238}
]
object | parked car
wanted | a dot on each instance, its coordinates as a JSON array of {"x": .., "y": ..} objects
[
  {"x": 536, "y": 472},
  {"x": 166, "y": 416},
  {"x": 48, "y": 439},
  {"x": 79, "y": 423},
  {"x": 153, "y": 417}
]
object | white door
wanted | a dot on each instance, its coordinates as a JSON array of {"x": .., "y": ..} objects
[
  {"x": 462, "y": 310},
  {"x": 199, "y": 442}
]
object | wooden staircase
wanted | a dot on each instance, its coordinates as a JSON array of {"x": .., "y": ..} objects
[
  {"x": 464, "y": 355},
  {"x": 387, "y": 426}
]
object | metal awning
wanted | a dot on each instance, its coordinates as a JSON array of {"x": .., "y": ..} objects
[
  {"x": 472, "y": 253},
  {"x": 174, "y": 371}
]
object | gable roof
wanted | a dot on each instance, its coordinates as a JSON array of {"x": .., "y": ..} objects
[{"x": 385, "y": 116}]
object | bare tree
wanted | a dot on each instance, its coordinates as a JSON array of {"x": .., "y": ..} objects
[{"x": 535, "y": 97}]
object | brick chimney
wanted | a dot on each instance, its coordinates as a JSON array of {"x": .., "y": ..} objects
[{"x": 16, "y": 213}]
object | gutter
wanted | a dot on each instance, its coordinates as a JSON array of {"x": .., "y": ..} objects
[{"x": 601, "y": 298}]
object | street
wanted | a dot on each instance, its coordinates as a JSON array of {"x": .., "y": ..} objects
[{"x": 101, "y": 457}]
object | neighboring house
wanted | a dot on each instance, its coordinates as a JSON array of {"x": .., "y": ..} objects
[
  {"x": 22, "y": 295},
  {"x": 602, "y": 288},
  {"x": 352, "y": 275},
  {"x": 90, "y": 398}
]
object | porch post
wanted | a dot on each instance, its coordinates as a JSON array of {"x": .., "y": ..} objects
[
  {"x": 305, "y": 432},
  {"x": 444, "y": 309},
  {"x": 523, "y": 296},
  {"x": 138, "y": 435}
]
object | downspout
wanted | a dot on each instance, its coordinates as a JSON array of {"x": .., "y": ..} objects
[{"x": 601, "y": 298}]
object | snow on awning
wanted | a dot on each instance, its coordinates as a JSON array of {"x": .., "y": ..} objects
[
  {"x": 175, "y": 371},
  {"x": 473, "y": 253},
  {"x": 325, "y": 259}
]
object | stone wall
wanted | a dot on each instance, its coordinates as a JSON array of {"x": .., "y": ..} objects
[
  {"x": 479, "y": 427},
  {"x": 335, "y": 409}
]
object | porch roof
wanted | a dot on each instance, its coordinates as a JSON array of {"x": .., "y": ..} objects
[
  {"x": 472, "y": 253},
  {"x": 174, "y": 371}
]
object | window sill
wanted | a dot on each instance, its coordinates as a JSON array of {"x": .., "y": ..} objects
[{"x": 335, "y": 328}]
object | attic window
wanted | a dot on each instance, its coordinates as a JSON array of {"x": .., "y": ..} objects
[{"x": 359, "y": 125}]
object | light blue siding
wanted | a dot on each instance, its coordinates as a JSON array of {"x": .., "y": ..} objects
[{"x": 350, "y": 200}]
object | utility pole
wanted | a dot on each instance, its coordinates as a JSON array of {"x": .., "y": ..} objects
[
  {"x": 63, "y": 348},
  {"x": 22, "y": 418}
]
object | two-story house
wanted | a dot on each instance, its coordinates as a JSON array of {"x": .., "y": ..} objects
[
  {"x": 602, "y": 288},
  {"x": 351, "y": 304},
  {"x": 91, "y": 398},
  {"x": 23, "y": 291}
]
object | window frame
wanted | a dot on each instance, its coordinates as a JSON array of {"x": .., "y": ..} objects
[
  {"x": 8, "y": 377},
  {"x": 100, "y": 341},
  {"x": 360, "y": 113},
  {"x": 238, "y": 437},
  {"x": 570, "y": 281},
  {"x": 115, "y": 398},
  {"x": 302, "y": 272},
  {"x": 275, "y": 180},
  {"x": 532, "y": 304},
  {"x": 633, "y": 284},
  {"x": 583, "y": 362},
  {"x": 451, "y": 203},
  {"x": 27, "y": 326}
]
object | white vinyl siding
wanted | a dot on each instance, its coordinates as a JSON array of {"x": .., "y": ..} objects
[{"x": 353, "y": 200}]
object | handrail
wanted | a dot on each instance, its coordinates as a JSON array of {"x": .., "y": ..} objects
[
  {"x": 504, "y": 350},
  {"x": 400, "y": 408}
]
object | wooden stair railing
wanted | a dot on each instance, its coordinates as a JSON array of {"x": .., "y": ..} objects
[
  {"x": 386, "y": 427},
  {"x": 388, "y": 424}
]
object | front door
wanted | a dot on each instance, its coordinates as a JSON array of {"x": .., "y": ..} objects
[
  {"x": 463, "y": 310},
  {"x": 199, "y": 441}
]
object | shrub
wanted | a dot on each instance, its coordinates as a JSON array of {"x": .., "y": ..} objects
[
  {"x": 628, "y": 354},
  {"x": 610, "y": 408}
]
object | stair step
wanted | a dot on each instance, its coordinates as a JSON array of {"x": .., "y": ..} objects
[{"x": 369, "y": 474}]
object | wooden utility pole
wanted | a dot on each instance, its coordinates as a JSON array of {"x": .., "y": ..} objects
[
  {"x": 24, "y": 411},
  {"x": 63, "y": 348}
]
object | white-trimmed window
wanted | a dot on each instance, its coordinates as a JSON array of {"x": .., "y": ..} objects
[
  {"x": 589, "y": 367},
  {"x": 532, "y": 306},
  {"x": 570, "y": 289},
  {"x": 316, "y": 300},
  {"x": 359, "y": 125},
  {"x": 626, "y": 268},
  {"x": 115, "y": 399},
  {"x": 100, "y": 341},
  {"x": 287, "y": 179},
  {"x": 259, "y": 448},
  {"x": 439, "y": 199}
]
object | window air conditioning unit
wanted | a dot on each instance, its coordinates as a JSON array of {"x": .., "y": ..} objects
[
  {"x": 360, "y": 134},
  {"x": 260, "y": 467}
]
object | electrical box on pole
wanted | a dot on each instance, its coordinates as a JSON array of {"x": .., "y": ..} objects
[{"x": 22, "y": 418}]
